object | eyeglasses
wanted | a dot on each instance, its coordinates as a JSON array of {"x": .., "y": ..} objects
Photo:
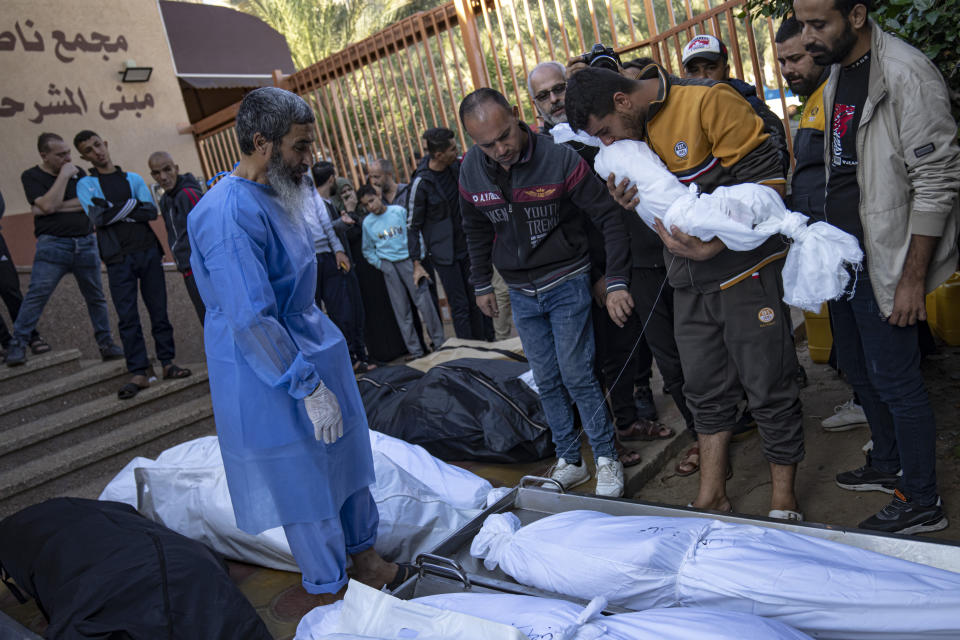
[{"x": 557, "y": 89}]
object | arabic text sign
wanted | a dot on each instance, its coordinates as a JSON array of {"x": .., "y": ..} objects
[
  {"x": 94, "y": 43},
  {"x": 74, "y": 102}
]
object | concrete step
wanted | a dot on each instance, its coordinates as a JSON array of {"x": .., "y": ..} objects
[
  {"x": 61, "y": 393},
  {"x": 38, "y": 370},
  {"x": 64, "y": 429},
  {"x": 62, "y": 471}
]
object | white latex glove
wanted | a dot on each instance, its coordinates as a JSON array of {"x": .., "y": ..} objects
[{"x": 324, "y": 412}]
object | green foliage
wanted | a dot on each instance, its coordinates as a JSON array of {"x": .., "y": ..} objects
[
  {"x": 315, "y": 29},
  {"x": 933, "y": 26}
]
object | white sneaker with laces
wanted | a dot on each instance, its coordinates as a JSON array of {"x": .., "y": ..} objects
[
  {"x": 609, "y": 477},
  {"x": 847, "y": 416},
  {"x": 570, "y": 475}
]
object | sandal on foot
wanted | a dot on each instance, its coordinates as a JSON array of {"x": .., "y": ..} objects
[
  {"x": 645, "y": 430},
  {"x": 172, "y": 371},
  {"x": 39, "y": 346},
  {"x": 786, "y": 514},
  {"x": 627, "y": 457},
  {"x": 690, "y": 463},
  {"x": 404, "y": 572},
  {"x": 129, "y": 390}
]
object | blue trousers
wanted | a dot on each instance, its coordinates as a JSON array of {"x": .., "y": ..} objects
[
  {"x": 557, "y": 336},
  {"x": 882, "y": 364},
  {"x": 321, "y": 548},
  {"x": 55, "y": 258}
]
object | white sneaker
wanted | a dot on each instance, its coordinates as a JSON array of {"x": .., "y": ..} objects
[
  {"x": 847, "y": 416},
  {"x": 609, "y": 477},
  {"x": 570, "y": 475}
]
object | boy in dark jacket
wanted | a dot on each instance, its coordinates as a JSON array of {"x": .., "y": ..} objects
[{"x": 180, "y": 194}]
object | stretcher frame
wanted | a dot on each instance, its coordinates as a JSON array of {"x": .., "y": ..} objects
[{"x": 450, "y": 568}]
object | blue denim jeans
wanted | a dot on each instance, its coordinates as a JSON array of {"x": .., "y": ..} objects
[
  {"x": 557, "y": 337},
  {"x": 56, "y": 257},
  {"x": 882, "y": 364}
]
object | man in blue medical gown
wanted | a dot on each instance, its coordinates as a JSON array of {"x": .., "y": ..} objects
[{"x": 292, "y": 428}]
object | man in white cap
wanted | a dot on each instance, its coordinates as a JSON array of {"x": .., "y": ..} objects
[{"x": 705, "y": 58}]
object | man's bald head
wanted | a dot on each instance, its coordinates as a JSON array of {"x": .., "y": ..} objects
[
  {"x": 471, "y": 105},
  {"x": 163, "y": 169}
]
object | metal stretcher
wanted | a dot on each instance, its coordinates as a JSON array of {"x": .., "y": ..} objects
[{"x": 451, "y": 569}]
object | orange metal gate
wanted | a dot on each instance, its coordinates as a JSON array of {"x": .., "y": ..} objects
[{"x": 375, "y": 98}]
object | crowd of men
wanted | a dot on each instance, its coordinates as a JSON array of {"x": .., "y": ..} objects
[{"x": 522, "y": 229}]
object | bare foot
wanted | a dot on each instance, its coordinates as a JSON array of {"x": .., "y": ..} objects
[
  {"x": 372, "y": 570},
  {"x": 721, "y": 504}
]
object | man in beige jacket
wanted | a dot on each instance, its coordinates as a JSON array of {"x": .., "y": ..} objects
[{"x": 893, "y": 170}]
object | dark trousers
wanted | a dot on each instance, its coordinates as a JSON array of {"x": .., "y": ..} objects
[
  {"x": 339, "y": 293},
  {"x": 615, "y": 345},
  {"x": 194, "y": 294},
  {"x": 10, "y": 292},
  {"x": 882, "y": 364},
  {"x": 735, "y": 341},
  {"x": 468, "y": 321},
  {"x": 144, "y": 269}
]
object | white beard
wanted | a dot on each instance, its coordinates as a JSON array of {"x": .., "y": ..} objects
[{"x": 294, "y": 196}]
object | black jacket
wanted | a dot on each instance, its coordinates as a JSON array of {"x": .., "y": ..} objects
[
  {"x": 529, "y": 221},
  {"x": 175, "y": 205},
  {"x": 772, "y": 123},
  {"x": 432, "y": 214},
  {"x": 808, "y": 186}
]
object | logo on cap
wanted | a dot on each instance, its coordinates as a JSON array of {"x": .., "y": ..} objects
[{"x": 680, "y": 149}]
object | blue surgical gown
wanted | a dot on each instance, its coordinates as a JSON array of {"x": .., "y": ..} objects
[{"x": 268, "y": 346}]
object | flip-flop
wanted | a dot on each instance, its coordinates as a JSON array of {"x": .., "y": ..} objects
[
  {"x": 688, "y": 466},
  {"x": 129, "y": 390},
  {"x": 786, "y": 514},
  {"x": 624, "y": 454},
  {"x": 404, "y": 572},
  {"x": 39, "y": 346},
  {"x": 645, "y": 430},
  {"x": 172, "y": 371}
]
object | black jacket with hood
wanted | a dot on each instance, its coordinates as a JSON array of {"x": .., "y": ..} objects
[{"x": 175, "y": 205}]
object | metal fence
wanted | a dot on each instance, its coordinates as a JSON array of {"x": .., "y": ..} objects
[{"x": 375, "y": 98}]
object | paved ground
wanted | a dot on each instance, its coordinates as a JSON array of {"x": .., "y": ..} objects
[
  {"x": 827, "y": 453},
  {"x": 281, "y": 602}
]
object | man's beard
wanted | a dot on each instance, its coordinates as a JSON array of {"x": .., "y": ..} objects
[
  {"x": 839, "y": 51},
  {"x": 634, "y": 124},
  {"x": 291, "y": 186},
  {"x": 551, "y": 119},
  {"x": 803, "y": 86}
]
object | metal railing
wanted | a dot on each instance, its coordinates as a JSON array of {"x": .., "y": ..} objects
[{"x": 375, "y": 98}]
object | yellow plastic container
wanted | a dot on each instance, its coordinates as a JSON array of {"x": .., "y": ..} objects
[
  {"x": 946, "y": 320},
  {"x": 819, "y": 335}
]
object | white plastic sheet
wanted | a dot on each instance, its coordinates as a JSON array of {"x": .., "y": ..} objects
[
  {"x": 368, "y": 613},
  {"x": 822, "y": 588},
  {"x": 421, "y": 500},
  {"x": 743, "y": 216},
  {"x": 542, "y": 618}
]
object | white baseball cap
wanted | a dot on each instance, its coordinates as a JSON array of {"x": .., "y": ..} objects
[{"x": 705, "y": 46}]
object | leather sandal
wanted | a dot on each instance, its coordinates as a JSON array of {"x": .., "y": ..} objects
[
  {"x": 172, "y": 371},
  {"x": 404, "y": 572},
  {"x": 646, "y": 430},
  {"x": 690, "y": 463},
  {"x": 39, "y": 346}
]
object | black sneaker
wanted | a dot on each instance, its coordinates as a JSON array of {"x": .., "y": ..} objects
[
  {"x": 906, "y": 517},
  {"x": 866, "y": 478},
  {"x": 16, "y": 354},
  {"x": 643, "y": 399}
]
